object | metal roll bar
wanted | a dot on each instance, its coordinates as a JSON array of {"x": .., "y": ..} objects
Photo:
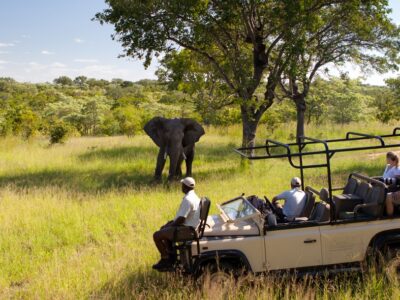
[{"x": 328, "y": 152}]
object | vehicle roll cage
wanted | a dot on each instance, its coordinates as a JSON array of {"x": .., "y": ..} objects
[{"x": 303, "y": 141}]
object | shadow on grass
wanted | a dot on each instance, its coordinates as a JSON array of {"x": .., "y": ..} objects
[
  {"x": 126, "y": 153},
  {"x": 137, "y": 170},
  {"x": 85, "y": 181}
]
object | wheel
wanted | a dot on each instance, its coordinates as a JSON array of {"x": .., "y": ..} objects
[
  {"x": 392, "y": 268},
  {"x": 217, "y": 275}
]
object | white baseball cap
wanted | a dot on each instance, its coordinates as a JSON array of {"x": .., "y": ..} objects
[
  {"x": 189, "y": 182},
  {"x": 296, "y": 181}
]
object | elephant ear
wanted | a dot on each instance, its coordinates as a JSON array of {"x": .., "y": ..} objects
[
  {"x": 153, "y": 129},
  {"x": 192, "y": 132}
]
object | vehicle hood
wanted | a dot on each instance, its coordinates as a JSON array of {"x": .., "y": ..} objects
[{"x": 217, "y": 227}]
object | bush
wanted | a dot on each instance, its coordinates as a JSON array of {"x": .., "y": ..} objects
[{"x": 58, "y": 133}]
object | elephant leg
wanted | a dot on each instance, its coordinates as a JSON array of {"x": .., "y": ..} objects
[
  {"x": 173, "y": 163},
  {"x": 160, "y": 164},
  {"x": 178, "y": 172},
  {"x": 189, "y": 161}
]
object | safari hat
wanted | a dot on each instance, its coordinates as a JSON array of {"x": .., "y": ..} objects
[
  {"x": 189, "y": 182},
  {"x": 296, "y": 181}
]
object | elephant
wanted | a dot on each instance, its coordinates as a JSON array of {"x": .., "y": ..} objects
[{"x": 176, "y": 138}]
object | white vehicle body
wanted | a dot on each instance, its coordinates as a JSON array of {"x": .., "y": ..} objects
[{"x": 290, "y": 246}]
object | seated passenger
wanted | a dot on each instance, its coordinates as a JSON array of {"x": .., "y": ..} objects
[
  {"x": 391, "y": 173},
  {"x": 295, "y": 200},
  {"x": 187, "y": 215}
]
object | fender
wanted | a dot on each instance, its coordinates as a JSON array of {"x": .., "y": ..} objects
[
  {"x": 382, "y": 240},
  {"x": 209, "y": 256}
]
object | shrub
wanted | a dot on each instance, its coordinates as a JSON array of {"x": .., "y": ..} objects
[{"x": 58, "y": 133}]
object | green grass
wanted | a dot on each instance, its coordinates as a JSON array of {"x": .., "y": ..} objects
[{"x": 76, "y": 220}]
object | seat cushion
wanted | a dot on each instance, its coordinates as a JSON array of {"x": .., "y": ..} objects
[{"x": 346, "y": 202}]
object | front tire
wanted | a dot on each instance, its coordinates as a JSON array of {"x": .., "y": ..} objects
[
  {"x": 217, "y": 275},
  {"x": 392, "y": 268}
]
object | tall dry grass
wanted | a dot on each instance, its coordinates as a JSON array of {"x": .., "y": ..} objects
[{"x": 76, "y": 220}]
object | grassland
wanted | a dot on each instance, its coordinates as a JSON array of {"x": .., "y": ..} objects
[{"x": 76, "y": 220}]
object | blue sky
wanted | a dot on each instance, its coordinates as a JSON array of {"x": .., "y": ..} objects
[{"x": 43, "y": 39}]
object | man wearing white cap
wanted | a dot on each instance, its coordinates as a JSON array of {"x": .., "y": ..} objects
[
  {"x": 187, "y": 215},
  {"x": 295, "y": 199}
]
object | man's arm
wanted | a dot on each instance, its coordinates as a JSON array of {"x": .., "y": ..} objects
[
  {"x": 178, "y": 221},
  {"x": 281, "y": 196}
]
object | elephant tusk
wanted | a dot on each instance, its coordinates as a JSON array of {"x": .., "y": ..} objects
[
  {"x": 184, "y": 156},
  {"x": 165, "y": 155}
]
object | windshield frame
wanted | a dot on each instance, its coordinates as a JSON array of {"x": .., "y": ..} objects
[{"x": 228, "y": 219}]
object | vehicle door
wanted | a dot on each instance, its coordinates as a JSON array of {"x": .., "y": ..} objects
[
  {"x": 343, "y": 243},
  {"x": 293, "y": 248}
]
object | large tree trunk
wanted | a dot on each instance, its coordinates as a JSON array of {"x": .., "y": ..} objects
[
  {"x": 301, "y": 111},
  {"x": 249, "y": 128}
]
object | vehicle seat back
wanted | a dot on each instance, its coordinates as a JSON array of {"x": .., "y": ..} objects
[
  {"x": 308, "y": 206},
  {"x": 363, "y": 190},
  {"x": 376, "y": 196},
  {"x": 324, "y": 195},
  {"x": 185, "y": 233},
  {"x": 351, "y": 186},
  {"x": 321, "y": 212},
  {"x": 204, "y": 209}
]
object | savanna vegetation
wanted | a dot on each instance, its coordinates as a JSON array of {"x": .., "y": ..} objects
[
  {"x": 90, "y": 107},
  {"x": 77, "y": 218}
]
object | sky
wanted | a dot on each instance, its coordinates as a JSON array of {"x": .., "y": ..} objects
[{"x": 43, "y": 39}]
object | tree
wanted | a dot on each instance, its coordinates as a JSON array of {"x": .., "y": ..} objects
[
  {"x": 388, "y": 101},
  {"x": 63, "y": 80},
  {"x": 80, "y": 81},
  {"x": 253, "y": 42},
  {"x": 359, "y": 32},
  {"x": 243, "y": 42}
]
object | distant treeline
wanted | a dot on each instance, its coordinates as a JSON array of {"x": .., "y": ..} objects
[{"x": 85, "y": 106}]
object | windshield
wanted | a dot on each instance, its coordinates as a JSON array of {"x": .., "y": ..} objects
[{"x": 237, "y": 209}]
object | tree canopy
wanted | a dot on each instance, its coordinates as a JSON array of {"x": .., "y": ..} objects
[{"x": 250, "y": 43}]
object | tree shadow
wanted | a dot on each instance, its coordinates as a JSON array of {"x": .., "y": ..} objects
[
  {"x": 136, "y": 171},
  {"x": 126, "y": 153},
  {"x": 81, "y": 181}
]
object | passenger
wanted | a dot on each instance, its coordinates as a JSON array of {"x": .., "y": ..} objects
[
  {"x": 391, "y": 173},
  {"x": 295, "y": 200},
  {"x": 187, "y": 215}
]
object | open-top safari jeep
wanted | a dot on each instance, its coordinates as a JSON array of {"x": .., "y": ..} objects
[{"x": 336, "y": 232}]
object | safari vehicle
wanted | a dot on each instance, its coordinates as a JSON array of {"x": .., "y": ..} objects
[{"x": 338, "y": 230}]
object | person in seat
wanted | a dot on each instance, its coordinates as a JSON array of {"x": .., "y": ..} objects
[
  {"x": 294, "y": 201},
  {"x": 390, "y": 175},
  {"x": 187, "y": 215}
]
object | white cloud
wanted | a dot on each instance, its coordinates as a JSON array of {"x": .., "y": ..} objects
[
  {"x": 3, "y": 45},
  {"x": 2, "y": 62},
  {"x": 78, "y": 40},
  {"x": 25, "y": 36},
  {"x": 4, "y": 52},
  {"x": 58, "y": 65},
  {"x": 45, "y": 52},
  {"x": 85, "y": 60}
]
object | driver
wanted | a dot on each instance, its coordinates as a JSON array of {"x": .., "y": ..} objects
[
  {"x": 187, "y": 215},
  {"x": 295, "y": 200}
]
